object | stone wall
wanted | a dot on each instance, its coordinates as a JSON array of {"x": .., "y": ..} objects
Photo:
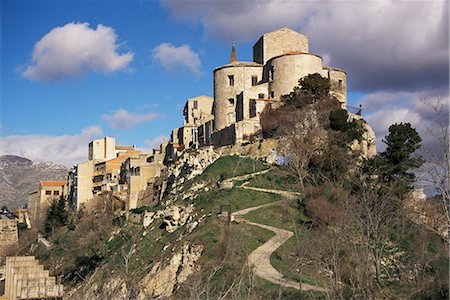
[{"x": 8, "y": 233}]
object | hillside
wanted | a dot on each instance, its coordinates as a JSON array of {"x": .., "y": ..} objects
[
  {"x": 20, "y": 176},
  {"x": 184, "y": 248}
]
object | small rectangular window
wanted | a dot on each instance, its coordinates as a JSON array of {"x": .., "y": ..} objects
[
  {"x": 56, "y": 193},
  {"x": 252, "y": 108},
  {"x": 231, "y": 100},
  {"x": 272, "y": 94},
  {"x": 340, "y": 83},
  {"x": 261, "y": 96},
  {"x": 231, "y": 80},
  {"x": 48, "y": 192},
  {"x": 254, "y": 80},
  {"x": 195, "y": 104}
]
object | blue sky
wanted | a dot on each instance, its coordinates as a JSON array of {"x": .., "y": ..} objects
[{"x": 145, "y": 58}]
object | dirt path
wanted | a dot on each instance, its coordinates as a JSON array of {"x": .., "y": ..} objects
[
  {"x": 260, "y": 257},
  {"x": 286, "y": 194}
]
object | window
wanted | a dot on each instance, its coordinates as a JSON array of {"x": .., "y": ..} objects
[
  {"x": 252, "y": 108},
  {"x": 48, "y": 192},
  {"x": 254, "y": 80},
  {"x": 195, "y": 104},
  {"x": 231, "y": 100},
  {"x": 340, "y": 84},
  {"x": 272, "y": 94},
  {"x": 56, "y": 193},
  {"x": 231, "y": 80},
  {"x": 261, "y": 96}
]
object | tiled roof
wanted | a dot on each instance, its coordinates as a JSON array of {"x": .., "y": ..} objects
[
  {"x": 122, "y": 147},
  {"x": 53, "y": 183}
]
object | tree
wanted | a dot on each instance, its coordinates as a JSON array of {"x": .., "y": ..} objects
[
  {"x": 310, "y": 89},
  {"x": 314, "y": 85},
  {"x": 339, "y": 121},
  {"x": 436, "y": 169},
  {"x": 392, "y": 166},
  {"x": 57, "y": 216}
]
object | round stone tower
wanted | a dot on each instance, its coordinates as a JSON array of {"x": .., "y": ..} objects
[
  {"x": 229, "y": 82},
  {"x": 284, "y": 71}
]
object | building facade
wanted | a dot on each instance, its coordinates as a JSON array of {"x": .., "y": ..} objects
[
  {"x": 39, "y": 201},
  {"x": 243, "y": 89}
]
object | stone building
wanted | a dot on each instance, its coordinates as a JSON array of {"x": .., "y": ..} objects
[
  {"x": 243, "y": 89},
  {"x": 197, "y": 123},
  {"x": 39, "y": 201},
  {"x": 139, "y": 172}
]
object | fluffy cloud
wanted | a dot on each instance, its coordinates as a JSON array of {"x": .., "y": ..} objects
[
  {"x": 75, "y": 49},
  {"x": 122, "y": 119},
  {"x": 405, "y": 107},
  {"x": 173, "y": 58},
  {"x": 63, "y": 149},
  {"x": 383, "y": 45},
  {"x": 154, "y": 143}
]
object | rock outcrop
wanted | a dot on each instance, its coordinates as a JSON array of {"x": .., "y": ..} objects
[{"x": 163, "y": 280}]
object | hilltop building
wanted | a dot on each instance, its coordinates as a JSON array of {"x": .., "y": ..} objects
[
  {"x": 139, "y": 172},
  {"x": 243, "y": 89}
]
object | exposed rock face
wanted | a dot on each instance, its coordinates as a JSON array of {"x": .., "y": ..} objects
[
  {"x": 263, "y": 149},
  {"x": 176, "y": 216},
  {"x": 190, "y": 165},
  {"x": 427, "y": 212},
  {"x": 367, "y": 147},
  {"x": 163, "y": 281}
]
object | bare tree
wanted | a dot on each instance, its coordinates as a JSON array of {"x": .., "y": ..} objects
[{"x": 437, "y": 167}]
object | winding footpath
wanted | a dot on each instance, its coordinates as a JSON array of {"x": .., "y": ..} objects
[{"x": 260, "y": 257}]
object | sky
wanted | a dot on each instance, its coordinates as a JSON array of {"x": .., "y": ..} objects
[{"x": 73, "y": 71}]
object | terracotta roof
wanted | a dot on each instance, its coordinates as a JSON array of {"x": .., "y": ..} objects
[
  {"x": 53, "y": 183},
  {"x": 287, "y": 53},
  {"x": 239, "y": 64},
  {"x": 122, "y": 147}
]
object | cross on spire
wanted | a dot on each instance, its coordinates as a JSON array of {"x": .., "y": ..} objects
[{"x": 233, "y": 57}]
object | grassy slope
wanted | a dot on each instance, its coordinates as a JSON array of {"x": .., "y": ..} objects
[
  {"x": 231, "y": 166},
  {"x": 277, "y": 179}
]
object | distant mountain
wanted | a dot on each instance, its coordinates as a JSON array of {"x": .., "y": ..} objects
[{"x": 20, "y": 176}]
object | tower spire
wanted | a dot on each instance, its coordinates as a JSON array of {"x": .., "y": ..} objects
[{"x": 233, "y": 57}]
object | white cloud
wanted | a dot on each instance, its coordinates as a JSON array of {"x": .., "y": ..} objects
[
  {"x": 173, "y": 58},
  {"x": 75, "y": 49},
  {"x": 154, "y": 143},
  {"x": 389, "y": 108},
  {"x": 122, "y": 119},
  {"x": 383, "y": 45},
  {"x": 63, "y": 149}
]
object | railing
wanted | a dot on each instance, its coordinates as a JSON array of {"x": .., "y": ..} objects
[{"x": 355, "y": 110}]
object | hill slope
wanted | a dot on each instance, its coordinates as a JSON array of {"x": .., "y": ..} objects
[{"x": 20, "y": 176}]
